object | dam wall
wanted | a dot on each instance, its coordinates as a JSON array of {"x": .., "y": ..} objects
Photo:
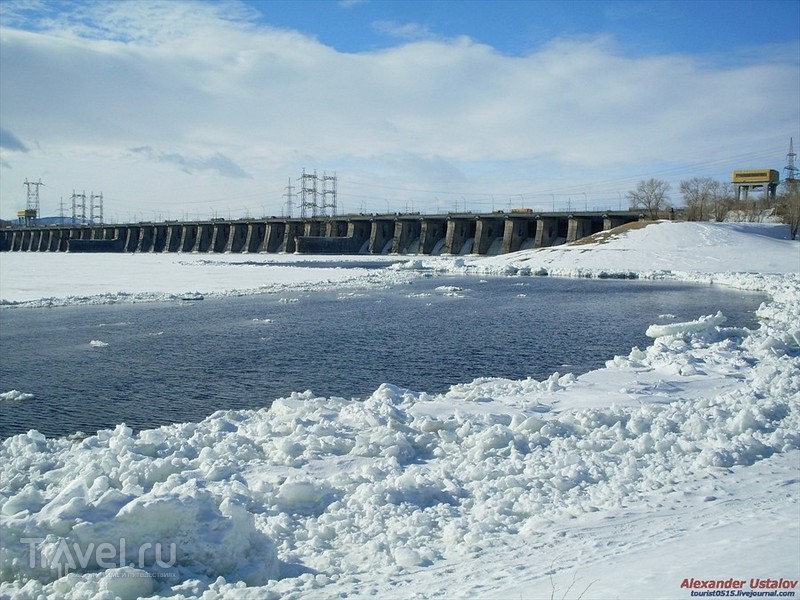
[{"x": 453, "y": 233}]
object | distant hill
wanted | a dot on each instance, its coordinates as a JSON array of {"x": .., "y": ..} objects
[
  {"x": 43, "y": 221},
  {"x": 53, "y": 221},
  {"x": 58, "y": 221}
]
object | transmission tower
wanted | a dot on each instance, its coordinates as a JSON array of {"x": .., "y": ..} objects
[
  {"x": 78, "y": 208},
  {"x": 96, "y": 208},
  {"x": 61, "y": 210},
  {"x": 308, "y": 194},
  {"x": 790, "y": 169},
  {"x": 328, "y": 194},
  {"x": 32, "y": 201},
  {"x": 289, "y": 199}
]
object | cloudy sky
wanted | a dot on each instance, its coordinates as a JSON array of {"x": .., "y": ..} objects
[{"x": 186, "y": 109}]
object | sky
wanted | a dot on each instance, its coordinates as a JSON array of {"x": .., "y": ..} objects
[{"x": 195, "y": 109}]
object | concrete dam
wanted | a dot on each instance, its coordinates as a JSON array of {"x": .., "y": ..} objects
[{"x": 453, "y": 233}]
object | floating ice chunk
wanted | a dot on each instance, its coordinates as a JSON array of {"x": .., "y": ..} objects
[
  {"x": 16, "y": 395},
  {"x": 701, "y": 325},
  {"x": 192, "y": 297},
  {"x": 98, "y": 344},
  {"x": 414, "y": 264}
]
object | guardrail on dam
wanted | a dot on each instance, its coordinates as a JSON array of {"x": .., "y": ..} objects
[{"x": 454, "y": 233}]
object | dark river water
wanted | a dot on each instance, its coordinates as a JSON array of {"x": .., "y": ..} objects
[{"x": 157, "y": 363}]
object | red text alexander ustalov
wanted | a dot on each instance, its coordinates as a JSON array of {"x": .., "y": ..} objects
[{"x": 755, "y": 583}]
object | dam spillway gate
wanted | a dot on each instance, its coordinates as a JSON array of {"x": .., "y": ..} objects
[{"x": 454, "y": 233}]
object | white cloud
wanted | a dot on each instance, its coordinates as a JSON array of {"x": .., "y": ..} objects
[
  {"x": 190, "y": 164},
  {"x": 403, "y": 31},
  {"x": 216, "y": 97},
  {"x": 351, "y": 3}
]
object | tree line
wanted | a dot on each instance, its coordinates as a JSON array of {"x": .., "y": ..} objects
[{"x": 706, "y": 199}]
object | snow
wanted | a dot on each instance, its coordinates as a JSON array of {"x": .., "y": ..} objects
[
  {"x": 670, "y": 247},
  {"x": 55, "y": 279},
  {"x": 676, "y": 462}
]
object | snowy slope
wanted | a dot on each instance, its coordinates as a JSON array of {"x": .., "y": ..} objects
[
  {"x": 677, "y": 464},
  {"x": 668, "y": 246}
]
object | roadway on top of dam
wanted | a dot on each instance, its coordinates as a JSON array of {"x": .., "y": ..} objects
[{"x": 392, "y": 233}]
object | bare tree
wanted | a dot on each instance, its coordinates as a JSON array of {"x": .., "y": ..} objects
[
  {"x": 651, "y": 196},
  {"x": 722, "y": 200},
  {"x": 706, "y": 198},
  {"x": 789, "y": 207},
  {"x": 752, "y": 209},
  {"x": 697, "y": 193}
]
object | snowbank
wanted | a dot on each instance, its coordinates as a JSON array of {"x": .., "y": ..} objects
[{"x": 663, "y": 249}]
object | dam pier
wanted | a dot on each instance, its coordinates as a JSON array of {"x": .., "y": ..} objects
[{"x": 452, "y": 233}]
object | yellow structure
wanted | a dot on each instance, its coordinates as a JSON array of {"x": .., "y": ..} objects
[
  {"x": 762, "y": 176},
  {"x": 27, "y": 217},
  {"x": 750, "y": 179}
]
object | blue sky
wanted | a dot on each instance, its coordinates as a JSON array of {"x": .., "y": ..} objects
[
  {"x": 196, "y": 109},
  {"x": 517, "y": 27}
]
